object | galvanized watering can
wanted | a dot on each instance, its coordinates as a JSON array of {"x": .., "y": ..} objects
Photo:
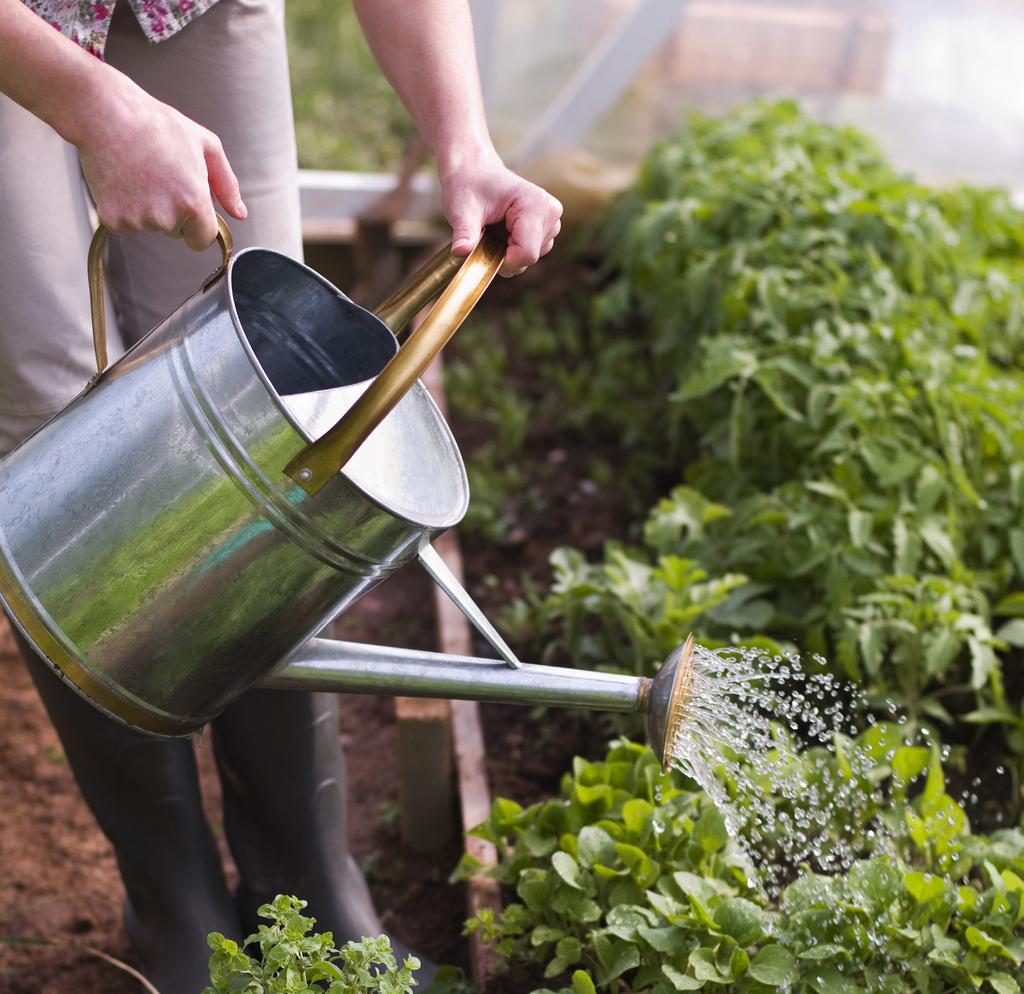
[{"x": 259, "y": 461}]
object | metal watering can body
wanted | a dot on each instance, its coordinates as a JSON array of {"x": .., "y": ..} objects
[
  {"x": 151, "y": 546},
  {"x": 183, "y": 529}
]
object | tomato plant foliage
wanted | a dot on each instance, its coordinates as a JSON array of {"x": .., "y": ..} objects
[{"x": 811, "y": 366}]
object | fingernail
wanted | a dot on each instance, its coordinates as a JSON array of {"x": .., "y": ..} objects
[{"x": 242, "y": 209}]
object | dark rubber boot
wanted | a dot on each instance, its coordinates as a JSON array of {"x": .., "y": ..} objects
[
  {"x": 285, "y": 812},
  {"x": 144, "y": 792}
]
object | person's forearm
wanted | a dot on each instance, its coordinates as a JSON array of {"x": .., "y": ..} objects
[
  {"x": 149, "y": 168},
  {"x": 426, "y": 49},
  {"x": 48, "y": 74}
]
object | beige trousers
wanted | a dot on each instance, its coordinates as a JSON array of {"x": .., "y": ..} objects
[{"x": 226, "y": 70}]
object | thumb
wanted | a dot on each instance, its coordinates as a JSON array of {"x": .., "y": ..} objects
[{"x": 467, "y": 226}]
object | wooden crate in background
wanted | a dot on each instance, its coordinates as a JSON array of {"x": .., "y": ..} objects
[{"x": 806, "y": 47}]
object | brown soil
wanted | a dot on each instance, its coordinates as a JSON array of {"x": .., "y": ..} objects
[{"x": 58, "y": 875}]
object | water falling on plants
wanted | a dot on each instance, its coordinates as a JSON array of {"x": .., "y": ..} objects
[{"x": 768, "y": 741}]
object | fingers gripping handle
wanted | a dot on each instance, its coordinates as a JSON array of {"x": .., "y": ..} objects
[
  {"x": 96, "y": 286},
  {"x": 320, "y": 461}
]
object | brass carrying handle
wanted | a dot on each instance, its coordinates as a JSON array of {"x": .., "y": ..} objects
[
  {"x": 96, "y": 279},
  {"x": 466, "y": 281}
]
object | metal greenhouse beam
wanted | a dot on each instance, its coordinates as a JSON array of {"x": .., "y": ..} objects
[{"x": 602, "y": 77}]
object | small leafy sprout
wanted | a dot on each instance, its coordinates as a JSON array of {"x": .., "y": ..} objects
[{"x": 293, "y": 961}]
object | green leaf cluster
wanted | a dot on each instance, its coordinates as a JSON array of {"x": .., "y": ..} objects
[
  {"x": 812, "y": 368},
  {"x": 290, "y": 960},
  {"x": 630, "y": 878}
]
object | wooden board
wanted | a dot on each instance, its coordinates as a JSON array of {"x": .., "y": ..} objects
[{"x": 454, "y": 636}]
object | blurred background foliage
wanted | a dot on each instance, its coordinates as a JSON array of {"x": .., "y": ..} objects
[{"x": 346, "y": 114}]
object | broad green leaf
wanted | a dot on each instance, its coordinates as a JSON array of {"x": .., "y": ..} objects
[
  {"x": 930, "y": 487},
  {"x": 739, "y": 918},
  {"x": 1003, "y": 983},
  {"x": 545, "y": 933},
  {"x": 679, "y": 980},
  {"x": 537, "y": 843},
  {"x": 644, "y": 870},
  {"x": 924, "y": 886},
  {"x": 909, "y": 762},
  {"x": 705, "y": 968},
  {"x": 940, "y": 650},
  {"x": 1012, "y": 632},
  {"x": 984, "y": 662},
  {"x": 773, "y": 965},
  {"x": 860, "y": 524},
  {"x": 671, "y": 941},
  {"x": 984, "y": 943},
  {"x": 618, "y": 957},
  {"x": 877, "y": 879},
  {"x": 936, "y": 537},
  {"x": 505, "y": 814},
  {"x": 534, "y": 888},
  {"x": 582, "y": 983},
  {"x": 568, "y": 869},
  {"x": 830, "y": 980},
  {"x": 637, "y": 815},
  {"x": 594, "y": 845},
  {"x": 710, "y": 832}
]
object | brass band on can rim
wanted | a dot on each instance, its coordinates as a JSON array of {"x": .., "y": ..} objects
[{"x": 24, "y": 613}]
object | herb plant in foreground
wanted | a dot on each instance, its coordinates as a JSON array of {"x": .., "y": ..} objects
[
  {"x": 630, "y": 881},
  {"x": 292, "y": 961}
]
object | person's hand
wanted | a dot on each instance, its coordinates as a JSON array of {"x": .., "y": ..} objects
[
  {"x": 482, "y": 192},
  {"x": 151, "y": 168}
]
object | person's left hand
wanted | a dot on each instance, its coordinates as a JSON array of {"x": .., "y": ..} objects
[{"x": 483, "y": 191}]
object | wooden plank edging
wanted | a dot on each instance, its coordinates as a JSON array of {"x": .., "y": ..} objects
[{"x": 454, "y": 636}]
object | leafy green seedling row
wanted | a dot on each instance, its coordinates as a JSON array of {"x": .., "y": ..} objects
[{"x": 631, "y": 878}]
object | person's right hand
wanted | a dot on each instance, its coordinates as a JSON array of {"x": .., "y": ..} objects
[{"x": 150, "y": 168}]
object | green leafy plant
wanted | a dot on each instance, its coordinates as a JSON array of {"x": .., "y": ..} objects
[
  {"x": 630, "y": 878},
  {"x": 293, "y": 961},
  {"x": 812, "y": 368}
]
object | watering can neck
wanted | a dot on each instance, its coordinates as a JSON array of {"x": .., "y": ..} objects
[{"x": 350, "y": 667}]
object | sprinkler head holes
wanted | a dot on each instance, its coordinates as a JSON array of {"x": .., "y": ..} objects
[{"x": 668, "y": 699}]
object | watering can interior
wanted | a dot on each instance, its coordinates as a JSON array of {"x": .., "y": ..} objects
[{"x": 317, "y": 351}]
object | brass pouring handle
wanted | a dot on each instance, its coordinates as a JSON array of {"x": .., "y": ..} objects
[
  {"x": 419, "y": 289},
  {"x": 96, "y": 278},
  {"x": 321, "y": 460}
]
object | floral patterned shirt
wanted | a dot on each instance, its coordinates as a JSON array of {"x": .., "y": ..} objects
[{"x": 87, "y": 21}]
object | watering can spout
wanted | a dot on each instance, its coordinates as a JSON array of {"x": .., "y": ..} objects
[
  {"x": 668, "y": 701},
  {"x": 351, "y": 667}
]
